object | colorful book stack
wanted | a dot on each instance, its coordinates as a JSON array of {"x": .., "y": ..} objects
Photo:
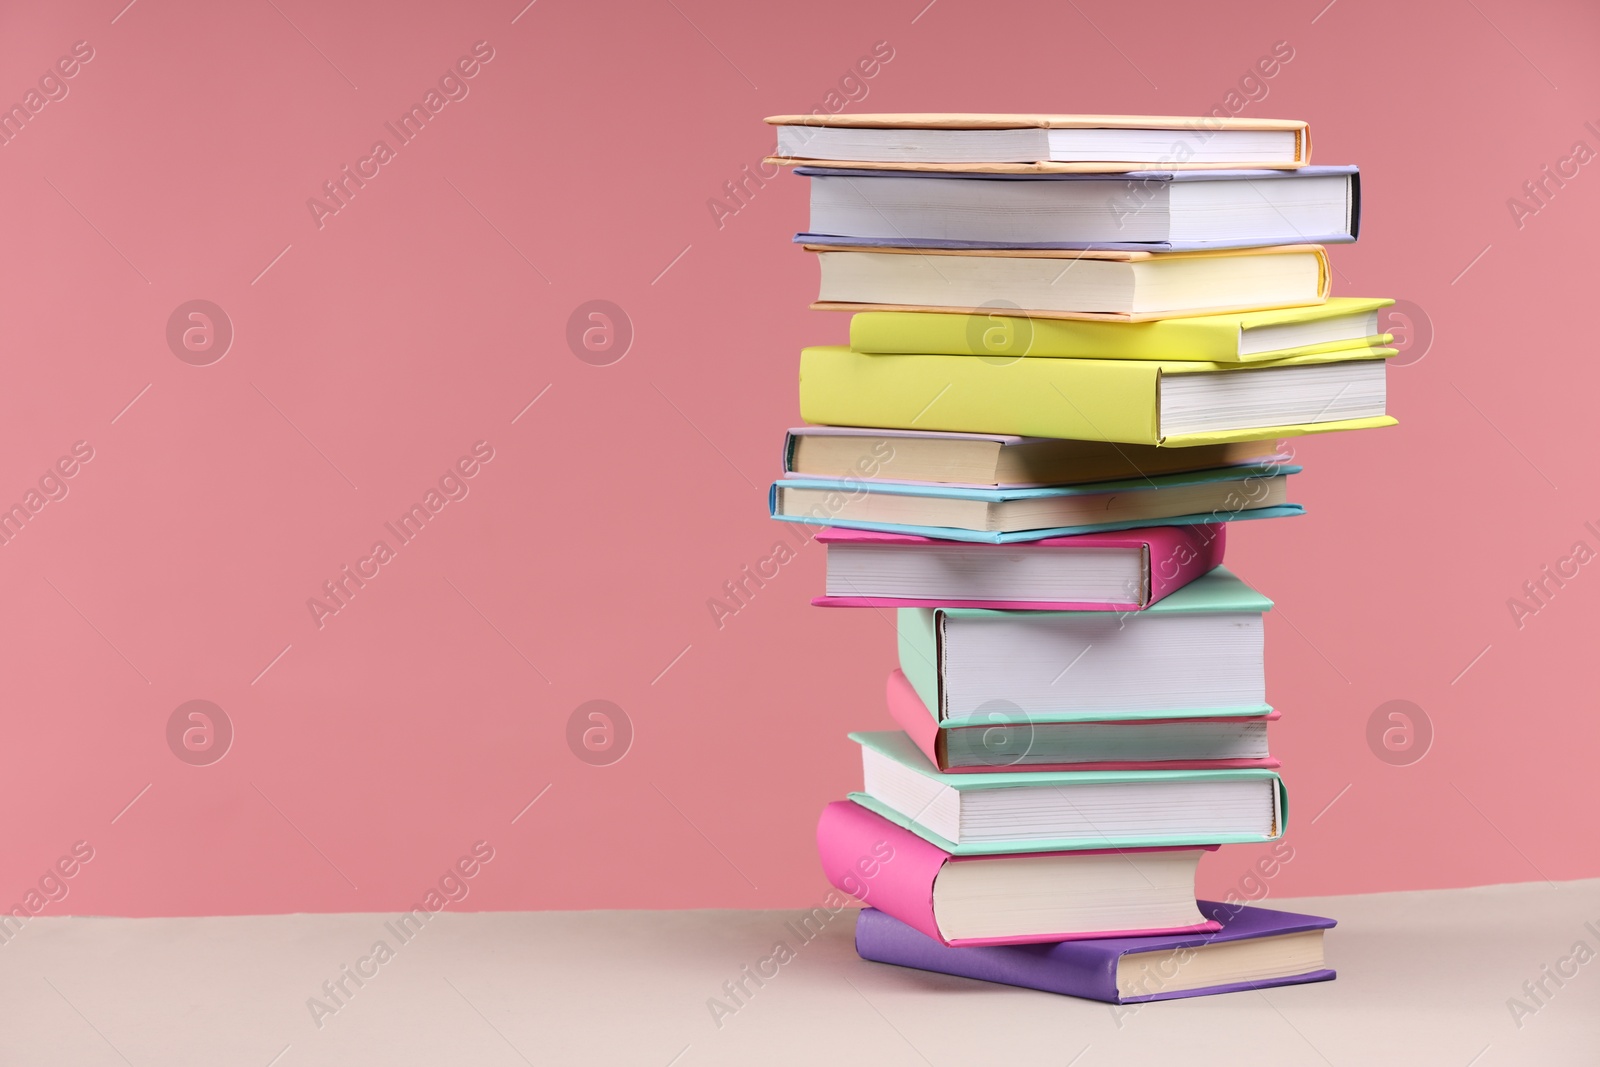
[{"x": 1077, "y": 344}]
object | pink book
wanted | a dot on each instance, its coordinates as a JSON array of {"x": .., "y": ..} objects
[
  {"x": 897, "y": 872},
  {"x": 913, "y": 716},
  {"x": 1170, "y": 557}
]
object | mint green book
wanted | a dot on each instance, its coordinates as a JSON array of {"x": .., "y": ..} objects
[
  {"x": 1052, "y": 811},
  {"x": 1195, "y": 654}
]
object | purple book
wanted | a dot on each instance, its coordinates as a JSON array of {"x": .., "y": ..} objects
[{"x": 1125, "y": 970}]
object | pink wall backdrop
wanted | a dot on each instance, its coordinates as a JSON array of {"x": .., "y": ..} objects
[{"x": 379, "y": 350}]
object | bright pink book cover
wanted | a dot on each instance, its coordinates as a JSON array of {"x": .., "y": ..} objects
[
  {"x": 893, "y": 870},
  {"x": 1174, "y": 557},
  {"x": 913, "y": 716}
]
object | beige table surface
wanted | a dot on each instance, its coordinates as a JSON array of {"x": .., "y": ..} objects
[{"x": 1424, "y": 978}]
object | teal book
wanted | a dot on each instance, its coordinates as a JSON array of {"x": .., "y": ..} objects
[
  {"x": 1195, "y": 653},
  {"x": 1051, "y": 811},
  {"x": 1009, "y": 514}
]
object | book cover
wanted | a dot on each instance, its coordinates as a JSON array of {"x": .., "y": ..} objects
[{"x": 1086, "y": 969}]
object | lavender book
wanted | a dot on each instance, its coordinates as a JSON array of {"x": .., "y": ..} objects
[{"x": 1255, "y": 949}]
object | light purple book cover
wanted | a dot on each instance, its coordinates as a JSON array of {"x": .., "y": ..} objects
[{"x": 1085, "y": 969}]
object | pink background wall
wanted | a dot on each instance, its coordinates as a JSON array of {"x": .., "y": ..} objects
[{"x": 374, "y": 350}]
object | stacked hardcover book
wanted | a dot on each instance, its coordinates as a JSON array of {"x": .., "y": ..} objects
[{"x": 1079, "y": 344}]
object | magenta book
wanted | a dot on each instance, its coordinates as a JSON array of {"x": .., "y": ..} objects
[
  {"x": 1009, "y": 899},
  {"x": 1122, "y": 571}
]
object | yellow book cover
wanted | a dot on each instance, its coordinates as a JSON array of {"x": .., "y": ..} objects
[
  {"x": 1191, "y": 338},
  {"x": 1081, "y": 399}
]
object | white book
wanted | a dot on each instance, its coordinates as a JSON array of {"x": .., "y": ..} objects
[
  {"x": 1037, "y": 811},
  {"x": 1183, "y": 209},
  {"x": 1198, "y": 651},
  {"x": 934, "y": 140}
]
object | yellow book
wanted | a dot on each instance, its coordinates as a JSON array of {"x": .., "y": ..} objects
[
  {"x": 1142, "y": 402},
  {"x": 1344, "y": 324}
]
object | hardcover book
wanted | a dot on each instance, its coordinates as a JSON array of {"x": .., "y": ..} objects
[
  {"x": 994, "y": 461},
  {"x": 1008, "y": 900},
  {"x": 1009, "y": 738},
  {"x": 1256, "y": 948},
  {"x": 1198, "y": 652},
  {"x": 1006, "y": 516},
  {"x": 1112, "y": 286},
  {"x": 1151, "y": 210},
  {"x": 1039, "y": 143},
  {"x": 1091, "y": 572},
  {"x": 1341, "y": 324},
  {"x": 1025, "y": 811},
  {"x": 1120, "y": 400}
]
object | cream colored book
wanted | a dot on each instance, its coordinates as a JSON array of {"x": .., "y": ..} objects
[
  {"x": 994, "y": 459},
  {"x": 1127, "y": 286},
  {"x": 1040, "y": 143}
]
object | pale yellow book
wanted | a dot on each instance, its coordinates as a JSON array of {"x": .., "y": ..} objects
[
  {"x": 1342, "y": 324},
  {"x": 1110, "y": 285}
]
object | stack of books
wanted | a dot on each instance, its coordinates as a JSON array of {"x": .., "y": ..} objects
[{"x": 1079, "y": 344}]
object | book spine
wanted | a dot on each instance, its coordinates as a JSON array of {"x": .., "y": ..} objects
[
  {"x": 1355, "y": 207},
  {"x": 918, "y": 648},
  {"x": 912, "y": 715},
  {"x": 880, "y": 864},
  {"x": 1180, "y": 554},
  {"x": 788, "y": 453}
]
